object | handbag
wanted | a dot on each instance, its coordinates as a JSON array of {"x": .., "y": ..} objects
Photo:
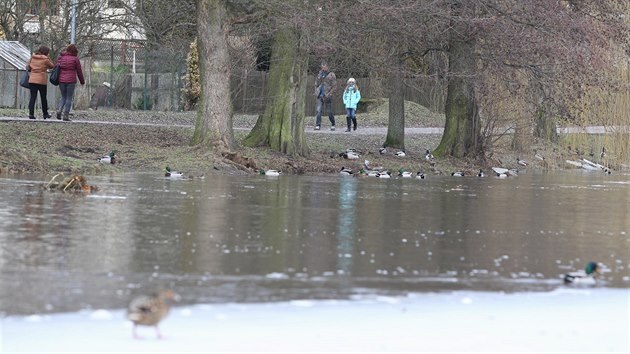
[
  {"x": 24, "y": 79},
  {"x": 54, "y": 75}
]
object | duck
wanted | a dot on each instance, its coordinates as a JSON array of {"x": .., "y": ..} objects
[
  {"x": 366, "y": 165},
  {"x": 429, "y": 156},
  {"x": 504, "y": 172},
  {"x": 382, "y": 151},
  {"x": 401, "y": 153},
  {"x": 345, "y": 172},
  {"x": 384, "y": 174},
  {"x": 109, "y": 158},
  {"x": 350, "y": 155},
  {"x": 521, "y": 162},
  {"x": 583, "y": 276},
  {"x": 272, "y": 173},
  {"x": 404, "y": 174},
  {"x": 150, "y": 310},
  {"x": 420, "y": 175},
  {"x": 457, "y": 174},
  {"x": 481, "y": 173},
  {"x": 172, "y": 174},
  {"x": 539, "y": 157},
  {"x": 372, "y": 173}
]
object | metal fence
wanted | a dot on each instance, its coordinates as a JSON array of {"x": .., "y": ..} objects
[{"x": 143, "y": 79}]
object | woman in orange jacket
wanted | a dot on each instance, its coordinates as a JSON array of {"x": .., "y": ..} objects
[{"x": 38, "y": 66}]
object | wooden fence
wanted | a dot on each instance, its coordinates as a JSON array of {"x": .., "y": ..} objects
[{"x": 249, "y": 93}]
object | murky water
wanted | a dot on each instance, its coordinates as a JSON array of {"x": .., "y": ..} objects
[{"x": 230, "y": 239}]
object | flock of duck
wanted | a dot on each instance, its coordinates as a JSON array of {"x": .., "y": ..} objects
[{"x": 371, "y": 171}]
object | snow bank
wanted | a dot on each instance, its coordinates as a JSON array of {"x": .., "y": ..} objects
[{"x": 564, "y": 320}]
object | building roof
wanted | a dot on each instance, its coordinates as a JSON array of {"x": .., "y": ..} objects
[{"x": 15, "y": 53}]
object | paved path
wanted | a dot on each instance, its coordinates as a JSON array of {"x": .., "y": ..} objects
[{"x": 324, "y": 130}]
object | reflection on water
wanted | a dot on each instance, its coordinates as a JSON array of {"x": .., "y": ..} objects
[{"x": 260, "y": 238}]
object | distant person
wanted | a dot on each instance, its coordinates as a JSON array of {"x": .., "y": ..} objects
[
  {"x": 38, "y": 65},
  {"x": 325, "y": 87},
  {"x": 351, "y": 98},
  {"x": 70, "y": 66},
  {"x": 99, "y": 98}
]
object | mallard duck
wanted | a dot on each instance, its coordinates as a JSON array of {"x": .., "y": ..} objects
[
  {"x": 109, "y": 158},
  {"x": 401, "y": 153},
  {"x": 429, "y": 156},
  {"x": 345, "y": 172},
  {"x": 521, "y": 162},
  {"x": 420, "y": 175},
  {"x": 272, "y": 173},
  {"x": 457, "y": 174},
  {"x": 150, "y": 310},
  {"x": 172, "y": 174},
  {"x": 404, "y": 174},
  {"x": 539, "y": 157},
  {"x": 366, "y": 165},
  {"x": 382, "y": 151},
  {"x": 350, "y": 155},
  {"x": 384, "y": 174},
  {"x": 481, "y": 173},
  {"x": 372, "y": 173},
  {"x": 587, "y": 275}
]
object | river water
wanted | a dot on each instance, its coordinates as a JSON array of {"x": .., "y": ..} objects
[{"x": 261, "y": 239}]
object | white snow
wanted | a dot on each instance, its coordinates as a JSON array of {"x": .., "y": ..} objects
[{"x": 563, "y": 320}]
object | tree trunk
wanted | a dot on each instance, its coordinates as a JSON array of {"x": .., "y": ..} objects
[
  {"x": 214, "y": 113},
  {"x": 281, "y": 127},
  {"x": 396, "y": 127},
  {"x": 545, "y": 126},
  {"x": 462, "y": 129}
]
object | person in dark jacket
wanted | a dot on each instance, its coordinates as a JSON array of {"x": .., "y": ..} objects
[
  {"x": 38, "y": 79},
  {"x": 70, "y": 66},
  {"x": 325, "y": 87}
]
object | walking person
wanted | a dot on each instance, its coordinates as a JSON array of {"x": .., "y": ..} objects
[
  {"x": 38, "y": 65},
  {"x": 351, "y": 98},
  {"x": 325, "y": 87},
  {"x": 70, "y": 66}
]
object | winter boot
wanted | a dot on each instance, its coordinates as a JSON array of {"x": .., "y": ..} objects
[
  {"x": 65, "y": 116},
  {"x": 354, "y": 121},
  {"x": 348, "y": 119},
  {"x": 58, "y": 115}
]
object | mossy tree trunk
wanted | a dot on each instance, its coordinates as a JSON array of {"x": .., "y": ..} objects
[
  {"x": 281, "y": 127},
  {"x": 462, "y": 128},
  {"x": 396, "y": 126},
  {"x": 545, "y": 126},
  {"x": 213, "y": 126}
]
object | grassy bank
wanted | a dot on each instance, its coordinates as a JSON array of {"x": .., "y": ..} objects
[{"x": 46, "y": 148}]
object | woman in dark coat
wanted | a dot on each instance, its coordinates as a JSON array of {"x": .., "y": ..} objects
[{"x": 70, "y": 70}]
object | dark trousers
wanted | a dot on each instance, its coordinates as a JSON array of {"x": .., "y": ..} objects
[
  {"x": 35, "y": 88},
  {"x": 67, "y": 94},
  {"x": 321, "y": 105}
]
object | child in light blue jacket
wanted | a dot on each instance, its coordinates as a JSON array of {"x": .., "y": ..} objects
[{"x": 351, "y": 97}]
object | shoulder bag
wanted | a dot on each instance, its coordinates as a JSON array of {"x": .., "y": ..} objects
[{"x": 54, "y": 75}]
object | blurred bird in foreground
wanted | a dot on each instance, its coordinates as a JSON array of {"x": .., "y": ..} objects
[{"x": 150, "y": 310}]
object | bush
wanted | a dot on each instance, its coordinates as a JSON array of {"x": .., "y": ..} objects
[{"x": 139, "y": 105}]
